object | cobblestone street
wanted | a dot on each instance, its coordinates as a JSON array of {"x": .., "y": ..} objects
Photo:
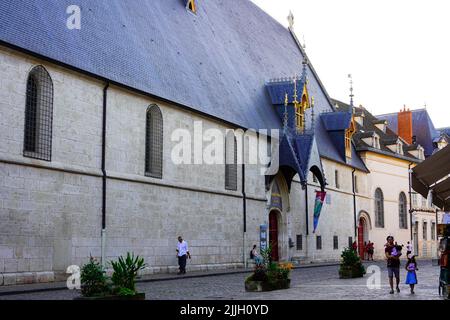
[{"x": 315, "y": 283}]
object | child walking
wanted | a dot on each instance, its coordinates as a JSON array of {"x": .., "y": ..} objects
[{"x": 411, "y": 277}]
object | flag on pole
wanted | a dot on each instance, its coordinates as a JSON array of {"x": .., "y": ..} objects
[{"x": 320, "y": 196}]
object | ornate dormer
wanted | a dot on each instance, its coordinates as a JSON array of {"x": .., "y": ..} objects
[
  {"x": 191, "y": 5},
  {"x": 348, "y": 138},
  {"x": 291, "y": 99}
]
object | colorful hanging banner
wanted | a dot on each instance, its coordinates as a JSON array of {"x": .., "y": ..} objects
[{"x": 320, "y": 196}]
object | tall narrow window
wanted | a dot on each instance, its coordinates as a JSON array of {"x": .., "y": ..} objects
[
  {"x": 379, "y": 208},
  {"x": 433, "y": 231},
  {"x": 350, "y": 242},
  {"x": 299, "y": 242},
  {"x": 424, "y": 230},
  {"x": 414, "y": 199},
  {"x": 335, "y": 242},
  {"x": 319, "y": 243},
  {"x": 154, "y": 142},
  {"x": 402, "y": 211},
  {"x": 336, "y": 178},
  {"x": 356, "y": 184},
  {"x": 230, "y": 161},
  {"x": 38, "y": 115}
]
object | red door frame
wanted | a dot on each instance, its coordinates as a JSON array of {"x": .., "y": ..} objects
[
  {"x": 361, "y": 248},
  {"x": 273, "y": 234}
]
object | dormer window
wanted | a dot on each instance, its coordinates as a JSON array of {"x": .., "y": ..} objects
[
  {"x": 442, "y": 143},
  {"x": 190, "y": 5},
  {"x": 376, "y": 142},
  {"x": 421, "y": 153},
  {"x": 399, "y": 148},
  {"x": 418, "y": 153},
  {"x": 348, "y": 139},
  {"x": 359, "y": 118},
  {"x": 381, "y": 125}
]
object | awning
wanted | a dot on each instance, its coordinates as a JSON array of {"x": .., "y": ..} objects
[{"x": 433, "y": 175}]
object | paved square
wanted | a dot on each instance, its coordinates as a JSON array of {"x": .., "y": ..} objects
[{"x": 314, "y": 283}]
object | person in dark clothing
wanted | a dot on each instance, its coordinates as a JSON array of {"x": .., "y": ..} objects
[{"x": 393, "y": 263}]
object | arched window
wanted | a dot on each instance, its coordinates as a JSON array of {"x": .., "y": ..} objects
[
  {"x": 379, "y": 208},
  {"x": 230, "y": 161},
  {"x": 38, "y": 115},
  {"x": 154, "y": 142},
  {"x": 403, "y": 223}
]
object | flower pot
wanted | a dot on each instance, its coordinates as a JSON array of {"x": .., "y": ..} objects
[
  {"x": 260, "y": 286},
  {"x": 137, "y": 296},
  {"x": 348, "y": 272}
]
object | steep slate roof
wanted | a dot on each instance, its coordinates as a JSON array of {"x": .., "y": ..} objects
[
  {"x": 369, "y": 128},
  {"x": 423, "y": 128},
  {"x": 445, "y": 130},
  {"x": 215, "y": 61}
]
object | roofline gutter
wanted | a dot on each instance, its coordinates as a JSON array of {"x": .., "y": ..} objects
[
  {"x": 123, "y": 86},
  {"x": 364, "y": 149}
]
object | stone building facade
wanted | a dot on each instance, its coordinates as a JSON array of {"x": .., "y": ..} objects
[{"x": 93, "y": 196}]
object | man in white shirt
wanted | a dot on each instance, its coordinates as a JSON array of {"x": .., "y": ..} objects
[
  {"x": 408, "y": 249},
  {"x": 182, "y": 253}
]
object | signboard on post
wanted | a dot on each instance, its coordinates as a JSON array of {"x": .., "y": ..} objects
[{"x": 263, "y": 236}]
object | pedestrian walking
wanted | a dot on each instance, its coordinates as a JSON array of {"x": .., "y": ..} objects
[
  {"x": 370, "y": 250},
  {"x": 411, "y": 276},
  {"x": 354, "y": 246},
  {"x": 365, "y": 251},
  {"x": 408, "y": 249},
  {"x": 182, "y": 254},
  {"x": 393, "y": 263}
]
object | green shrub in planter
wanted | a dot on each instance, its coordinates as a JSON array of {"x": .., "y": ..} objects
[
  {"x": 351, "y": 265},
  {"x": 93, "y": 279}
]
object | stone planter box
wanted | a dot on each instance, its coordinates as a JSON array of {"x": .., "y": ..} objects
[
  {"x": 260, "y": 286},
  {"x": 138, "y": 296},
  {"x": 350, "y": 272}
]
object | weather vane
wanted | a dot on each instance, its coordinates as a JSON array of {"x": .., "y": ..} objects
[{"x": 351, "y": 90}]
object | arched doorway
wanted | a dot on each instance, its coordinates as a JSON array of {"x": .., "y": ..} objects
[{"x": 273, "y": 234}]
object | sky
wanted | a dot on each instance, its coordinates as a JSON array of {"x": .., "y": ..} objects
[{"x": 397, "y": 51}]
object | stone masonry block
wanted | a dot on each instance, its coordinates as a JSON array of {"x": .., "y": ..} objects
[
  {"x": 9, "y": 279},
  {"x": 45, "y": 277},
  {"x": 26, "y": 278}
]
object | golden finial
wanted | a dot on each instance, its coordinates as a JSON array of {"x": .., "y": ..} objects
[{"x": 285, "y": 119}]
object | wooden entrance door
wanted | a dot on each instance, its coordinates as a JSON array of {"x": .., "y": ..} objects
[
  {"x": 273, "y": 234},
  {"x": 361, "y": 247}
]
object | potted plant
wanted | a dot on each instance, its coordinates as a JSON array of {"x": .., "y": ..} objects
[
  {"x": 96, "y": 286},
  {"x": 124, "y": 276},
  {"x": 351, "y": 265},
  {"x": 268, "y": 275}
]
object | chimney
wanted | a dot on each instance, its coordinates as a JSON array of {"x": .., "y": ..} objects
[{"x": 404, "y": 124}]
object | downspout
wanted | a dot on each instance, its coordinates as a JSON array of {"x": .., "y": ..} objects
[
  {"x": 410, "y": 203},
  {"x": 354, "y": 202},
  {"x": 306, "y": 219},
  {"x": 103, "y": 235},
  {"x": 306, "y": 209},
  {"x": 244, "y": 211}
]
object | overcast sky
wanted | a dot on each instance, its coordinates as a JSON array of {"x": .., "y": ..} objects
[{"x": 398, "y": 51}]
